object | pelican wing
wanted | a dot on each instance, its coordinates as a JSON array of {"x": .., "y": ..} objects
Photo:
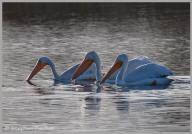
[
  {"x": 146, "y": 71},
  {"x": 134, "y": 63}
]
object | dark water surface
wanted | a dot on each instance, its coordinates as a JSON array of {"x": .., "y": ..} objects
[{"x": 65, "y": 33}]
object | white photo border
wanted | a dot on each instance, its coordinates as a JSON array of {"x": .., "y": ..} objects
[{"x": 89, "y": 131}]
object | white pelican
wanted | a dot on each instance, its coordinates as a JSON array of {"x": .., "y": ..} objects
[
  {"x": 66, "y": 76},
  {"x": 141, "y": 71},
  {"x": 89, "y": 59}
]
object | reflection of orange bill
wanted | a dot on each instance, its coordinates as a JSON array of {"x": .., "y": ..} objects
[
  {"x": 36, "y": 69},
  {"x": 82, "y": 68},
  {"x": 113, "y": 69}
]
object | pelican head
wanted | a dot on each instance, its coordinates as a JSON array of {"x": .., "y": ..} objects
[
  {"x": 41, "y": 63},
  {"x": 116, "y": 66},
  {"x": 89, "y": 59}
]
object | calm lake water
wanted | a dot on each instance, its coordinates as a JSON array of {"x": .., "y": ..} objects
[{"x": 160, "y": 32}]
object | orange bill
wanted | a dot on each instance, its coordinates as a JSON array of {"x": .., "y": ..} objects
[
  {"x": 82, "y": 68},
  {"x": 113, "y": 69},
  {"x": 36, "y": 69}
]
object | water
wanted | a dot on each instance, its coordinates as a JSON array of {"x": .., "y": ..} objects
[{"x": 159, "y": 32}]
